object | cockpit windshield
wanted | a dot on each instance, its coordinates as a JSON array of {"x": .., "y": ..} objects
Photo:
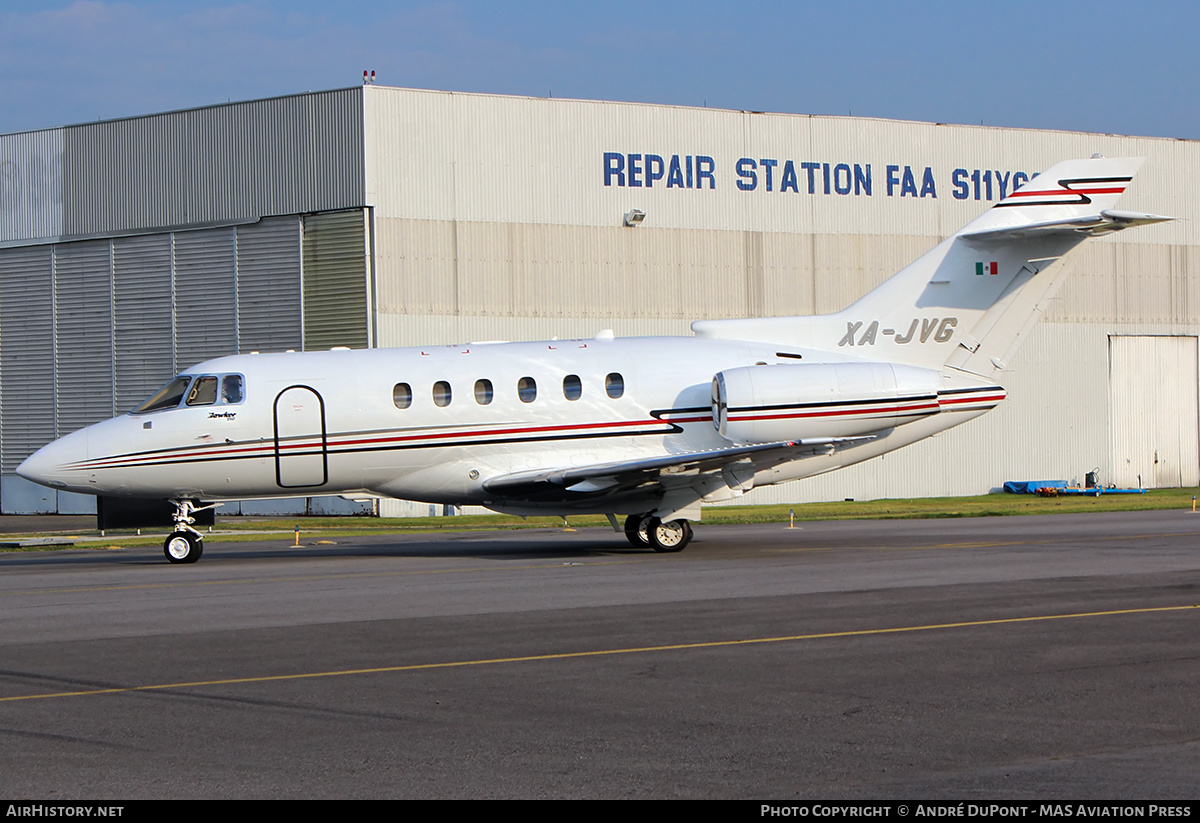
[
  {"x": 167, "y": 397},
  {"x": 206, "y": 390}
]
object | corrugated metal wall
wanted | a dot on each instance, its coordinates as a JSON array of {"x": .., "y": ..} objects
[
  {"x": 335, "y": 280},
  {"x": 89, "y": 329},
  {"x": 1154, "y": 389},
  {"x": 31, "y": 185},
  {"x": 534, "y": 271},
  {"x": 143, "y": 316},
  {"x": 493, "y": 221},
  {"x": 472, "y": 217},
  {"x": 268, "y": 286},
  {"x": 83, "y": 334},
  {"x": 206, "y": 306},
  {"x": 221, "y": 164},
  {"x": 26, "y": 353},
  {"x": 472, "y": 158}
]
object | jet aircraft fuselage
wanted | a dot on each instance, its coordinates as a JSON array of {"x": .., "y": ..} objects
[{"x": 645, "y": 427}]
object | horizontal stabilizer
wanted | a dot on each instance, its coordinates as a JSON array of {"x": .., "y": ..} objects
[{"x": 1094, "y": 225}]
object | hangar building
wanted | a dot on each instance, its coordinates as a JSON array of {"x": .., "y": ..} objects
[{"x": 374, "y": 216}]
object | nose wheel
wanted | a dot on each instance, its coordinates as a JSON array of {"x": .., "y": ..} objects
[
  {"x": 185, "y": 544},
  {"x": 183, "y": 547}
]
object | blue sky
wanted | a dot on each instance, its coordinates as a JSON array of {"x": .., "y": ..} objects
[{"x": 1097, "y": 66}]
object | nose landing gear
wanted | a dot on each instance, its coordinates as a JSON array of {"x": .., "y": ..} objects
[{"x": 185, "y": 544}]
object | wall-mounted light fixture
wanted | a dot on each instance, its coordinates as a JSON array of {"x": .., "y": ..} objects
[{"x": 634, "y": 218}]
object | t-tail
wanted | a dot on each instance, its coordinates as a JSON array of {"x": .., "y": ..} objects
[{"x": 969, "y": 302}]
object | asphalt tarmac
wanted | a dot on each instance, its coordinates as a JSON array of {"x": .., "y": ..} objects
[{"x": 997, "y": 658}]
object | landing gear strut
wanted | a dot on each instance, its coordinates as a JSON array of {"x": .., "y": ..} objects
[
  {"x": 646, "y": 530},
  {"x": 185, "y": 544}
]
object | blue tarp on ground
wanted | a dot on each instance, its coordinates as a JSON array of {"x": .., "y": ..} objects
[{"x": 1031, "y": 486}]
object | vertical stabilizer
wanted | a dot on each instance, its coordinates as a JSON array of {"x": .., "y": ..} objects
[{"x": 969, "y": 301}]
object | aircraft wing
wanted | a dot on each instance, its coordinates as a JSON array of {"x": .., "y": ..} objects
[{"x": 630, "y": 474}]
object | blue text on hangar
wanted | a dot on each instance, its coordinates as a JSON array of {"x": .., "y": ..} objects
[
  {"x": 634, "y": 170},
  {"x": 642, "y": 170}
]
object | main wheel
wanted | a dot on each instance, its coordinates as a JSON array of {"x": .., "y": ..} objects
[
  {"x": 183, "y": 547},
  {"x": 669, "y": 537},
  {"x": 635, "y": 530}
]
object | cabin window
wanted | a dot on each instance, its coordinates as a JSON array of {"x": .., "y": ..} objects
[
  {"x": 527, "y": 389},
  {"x": 572, "y": 387},
  {"x": 483, "y": 392},
  {"x": 167, "y": 397},
  {"x": 441, "y": 393},
  {"x": 614, "y": 384},
  {"x": 204, "y": 392},
  {"x": 402, "y": 395},
  {"x": 231, "y": 389}
]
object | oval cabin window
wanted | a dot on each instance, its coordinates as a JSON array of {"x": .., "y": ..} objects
[
  {"x": 441, "y": 393},
  {"x": 527, "y": 389},
  {"x": 402, "y": 395},
  {"x": 614, "y": 384}
]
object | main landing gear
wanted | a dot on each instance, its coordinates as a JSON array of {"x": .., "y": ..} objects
[
  {"x": 185, "y": 544},
  {"x": 646, "y": 530}
]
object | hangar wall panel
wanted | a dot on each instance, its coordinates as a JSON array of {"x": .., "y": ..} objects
[
  {"x": 220, "y": 164},
  {"x": 335, "y": 280},
  {"x": 483, "y": 159},
  {"x": 1155, "y": 423},
  {"x": 31, "y": 185},
  {"x": 495, "y": 269},
  {"x": 268, "y": 285},
  {"x": 83, "y": 334},
  {"x": 26, "y": 353},
  {"x": 88, "y": 329},
  {"x": 206, "y": 310},
  {"x": 143, "y": 317}
]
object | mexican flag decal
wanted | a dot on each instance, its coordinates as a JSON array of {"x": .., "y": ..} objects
[{"x": 987, "y": 268}]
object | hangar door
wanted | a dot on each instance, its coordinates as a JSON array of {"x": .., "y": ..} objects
[{"x": 1153, "y": 401}]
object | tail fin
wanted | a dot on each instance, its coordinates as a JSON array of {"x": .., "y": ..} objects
[{"x": 969, "y": 302}]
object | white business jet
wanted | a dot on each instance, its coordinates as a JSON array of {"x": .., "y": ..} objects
[{"x": 649, "y": 428}]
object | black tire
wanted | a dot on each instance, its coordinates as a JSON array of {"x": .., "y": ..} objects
[
  {"x": 635, "y": 530},
  {"x": 183, "y": 547},
  {"x": 668, "y": 537}
]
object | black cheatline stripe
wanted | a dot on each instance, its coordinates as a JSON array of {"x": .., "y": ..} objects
[
  {"x": 409, "y": 446},
  {"x": 942, "y": 392},
  {"x": 658, "y": 413}
]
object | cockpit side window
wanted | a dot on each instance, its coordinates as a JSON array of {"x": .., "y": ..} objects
[
  {"x": 167, "y": 397},
  {"x": 204, "y": 391},
  {"x": 231, "y": 389}
]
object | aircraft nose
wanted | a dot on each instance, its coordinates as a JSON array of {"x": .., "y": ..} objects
[{"x": 50, "y": 465}]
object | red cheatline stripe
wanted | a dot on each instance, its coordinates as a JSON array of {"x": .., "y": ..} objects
[
  {"x": 334, "y": 442},
  {"x": 1049, "y": 192},
  {"x": 972, "y": 399}
]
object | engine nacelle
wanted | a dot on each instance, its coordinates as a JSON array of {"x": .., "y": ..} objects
[{"x": 765, "y": 404}]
